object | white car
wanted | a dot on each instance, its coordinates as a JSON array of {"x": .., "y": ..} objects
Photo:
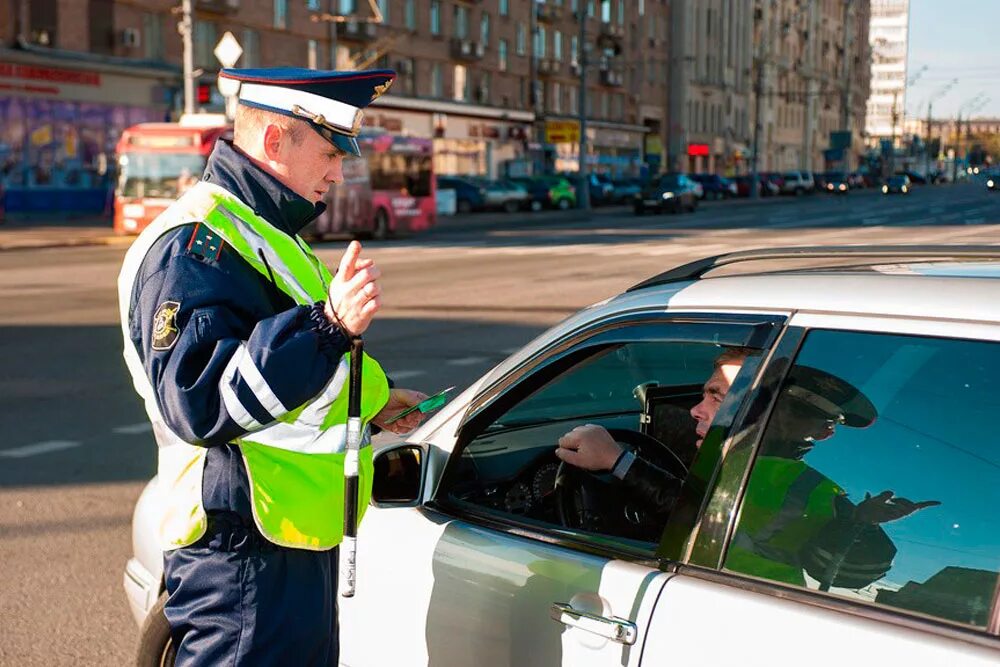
[
  {"x": 798, "y": 183},
  {"x": 873, "y": 541}
]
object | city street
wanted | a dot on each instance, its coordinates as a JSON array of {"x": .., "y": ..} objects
[{"x": 77, "y": 451}]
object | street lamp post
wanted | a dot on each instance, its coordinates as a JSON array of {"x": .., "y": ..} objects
[
  {"x": 583, "y": 203},
  {"x": 930, "y": 119}
]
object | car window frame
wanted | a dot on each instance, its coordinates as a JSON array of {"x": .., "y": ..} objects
[
  {"x": 714, "y": 533},
  {"x": 759, "y": 332}
]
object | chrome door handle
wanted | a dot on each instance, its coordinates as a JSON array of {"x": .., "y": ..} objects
[{"x": 614, "y": 628}]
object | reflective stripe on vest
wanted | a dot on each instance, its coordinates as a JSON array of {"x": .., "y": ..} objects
[{"x": 296, "y": 464}]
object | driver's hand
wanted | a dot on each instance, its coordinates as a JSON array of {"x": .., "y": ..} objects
[{"x": 590, "y": 447}]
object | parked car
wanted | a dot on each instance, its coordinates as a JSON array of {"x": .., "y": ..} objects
[
  {"x": 856, "y": 180},
  {"x": 797, "y": 183},
  {"x": 506, "y": 195},
  {"x": 625, "y": 190},
  {"x": 765, "y": 188},
  {"x": 602, "y": 190},
  {"x": 992, "y": 184},
  {"x": 915, "y": 178},
  {"x": 549, "y": 192},
  {"x": 469, "y": 195},
  {"x": 775, "y": 179},
  {"x": 819, "y": 181},
  {"x": 836, "y": 182},
  {"x": 871, "y": 540},
  {"x": 715, "y": 186},
  {"x": 670, "y": 192},
  {"x": 897, "y": 185}
]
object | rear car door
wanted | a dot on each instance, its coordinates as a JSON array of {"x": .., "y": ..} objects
[{"x": 855, "y": 513}]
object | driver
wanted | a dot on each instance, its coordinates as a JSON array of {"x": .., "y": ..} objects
[{"x": 591, "y": 447}]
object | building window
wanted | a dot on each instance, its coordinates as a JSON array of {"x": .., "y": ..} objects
[
  {"x": 484, "y": 29},
  {"x": 460, "y": 90},
  {"x": 411, "y": 15},
  {"x": 281, "y": 14},
  {"x": 383, "y": 7},
  {"x": 461, "y": 20},
  {"x": 435, "y": 17},
  {"x": 437, "y": 82},
  {"x": 557, "y": 45},
  {"x": 642, "y": 7},
  {"x": 520, "y": 39},
  {"x": 574, "y": 54},
  {"x": 573, "y": 108},
  {"x": 152, "y": 32},
  {"x": 313, "y": 54},
  {"x": 605, "y": 108},
  {"x": 556, "y": 97},
  {"x": 483, "y": 92},
  {"x": 621, "y": 12},
  {"x": 346, "y": 7},
  {"x": 408, "y": 75},
  {"x": 502, "y": 55},
  {"x": 540, "y": 42},
  {"x": 205, "y": 39},
  {"x": 504, "y": 7}
]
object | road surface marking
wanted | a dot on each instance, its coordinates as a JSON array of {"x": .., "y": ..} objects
[
  {"x": 133, "y": 429},
  {"x": 39, "y": 448},
  {"x": 467, "y": 361},
  {"x": 975, "y": 221},
  {"x": 404, "y": 375}
]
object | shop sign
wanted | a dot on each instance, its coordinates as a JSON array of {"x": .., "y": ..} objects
[
  {"x": 698, "y": 150},
  {"x": 562, "y": 132},
  {"x": 50, "y": 74}
]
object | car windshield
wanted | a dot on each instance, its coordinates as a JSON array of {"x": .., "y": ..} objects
[
  {"x": 158, "y": 174},
  {"x": 897, "y": 180},
  {"x": 669, "y": 182},
  {"x": 790, "y": 175}
]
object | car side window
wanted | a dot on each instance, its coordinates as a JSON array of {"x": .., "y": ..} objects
[
  {"x": 642, "y": 392},
  {"x": 878, "y": 476}
]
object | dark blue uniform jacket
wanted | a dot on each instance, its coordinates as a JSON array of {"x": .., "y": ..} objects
[{"x": 222, "y": 301}]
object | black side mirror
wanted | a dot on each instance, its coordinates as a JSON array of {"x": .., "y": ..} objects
[{"x": 398, "y": 476}]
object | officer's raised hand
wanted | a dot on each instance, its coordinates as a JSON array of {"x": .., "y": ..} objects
[
  {"x": 354, "y": 295},
  {"x": 887, "y": 506}
]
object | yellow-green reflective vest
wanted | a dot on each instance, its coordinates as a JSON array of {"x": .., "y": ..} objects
[{"x": 296, "y": 464}]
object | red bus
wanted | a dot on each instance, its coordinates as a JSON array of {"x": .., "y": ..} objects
[
  {"x": 390, "y": 191},
  {"x": 156, "y": 163}
]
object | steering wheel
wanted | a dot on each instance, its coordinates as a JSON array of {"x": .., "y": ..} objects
[{"x": 583, "y": 498}]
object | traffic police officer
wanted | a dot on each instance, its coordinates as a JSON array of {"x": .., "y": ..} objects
[{"x": 236, "y": 338}]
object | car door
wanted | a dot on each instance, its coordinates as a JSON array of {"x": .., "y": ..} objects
[
  {"x": 855, "y": 512},
  {"x": 487, "y": 571}
]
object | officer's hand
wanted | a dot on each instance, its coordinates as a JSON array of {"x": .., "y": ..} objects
[
  {"x": 399, "y": 400},
  {"x": 886, "y": 507},
  {"x": 589, "y": 447},
  {"x": 354, "y": 295}
]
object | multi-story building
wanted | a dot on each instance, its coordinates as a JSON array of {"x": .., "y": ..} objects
[
  {"x": 711, "y": 57},
  {"x": 888, "y": 37},
  {"x": 495, "y": 82},
  {"x": 813, "y": 82}
]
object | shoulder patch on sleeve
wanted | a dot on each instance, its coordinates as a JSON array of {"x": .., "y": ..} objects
[
  {"x": 165, "y": 325},
  {"x": 205, "y": 243}
]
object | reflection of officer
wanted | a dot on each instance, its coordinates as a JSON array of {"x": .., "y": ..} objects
[
  {"x": 796, "y": 519},
  {"x": 235, "y": 336}
]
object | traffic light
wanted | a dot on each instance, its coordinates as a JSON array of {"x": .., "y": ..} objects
[{"x": 204, "y": 93}]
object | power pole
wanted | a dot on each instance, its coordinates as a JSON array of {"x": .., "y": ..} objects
[
  {"x": 927, "y": 144},
  {"x": 892, "y": 138},
  {"x": 186, "y": 28},
  {"x": 583, "y": 203},
  {"x": 758, "y": 91}
]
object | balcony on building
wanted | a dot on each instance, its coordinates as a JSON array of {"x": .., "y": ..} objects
[
  {"x": 611, "y": 31},
  {"x": 548, "y": 67},
  {"x": 612, "y": 77},
  {"x": 467, "y": 50},
  {"x": 548, "y": 13},
  {"x": 217, "y": 6},
  {"x": 356, "y": 31}
]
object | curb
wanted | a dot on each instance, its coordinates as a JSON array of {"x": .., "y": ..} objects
[{"x": 41, "y": 244}]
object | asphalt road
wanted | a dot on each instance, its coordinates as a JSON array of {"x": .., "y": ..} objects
[{"x": 76, "y": 450}]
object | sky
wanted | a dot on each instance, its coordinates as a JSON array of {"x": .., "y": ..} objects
[{"x": 954, "y": 39}]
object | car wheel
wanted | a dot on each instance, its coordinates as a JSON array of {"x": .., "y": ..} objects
[
  {"x": 563, "y": 204},
  {"x": 380, "y": 230},
  {"x": 638, "y": 209},
  {"x": 156, "y": 646},
  {"x": 464, "y": 206},
  {"x": 510, "y": 206},
  {"x": 799, "y": 192},
  {"x": 536, "y": 206}
]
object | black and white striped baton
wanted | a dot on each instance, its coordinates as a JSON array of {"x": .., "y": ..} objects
[{"x": 349, "y": 548}]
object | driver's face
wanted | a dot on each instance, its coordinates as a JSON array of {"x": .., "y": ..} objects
[{"x": 711, "y": 397}]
